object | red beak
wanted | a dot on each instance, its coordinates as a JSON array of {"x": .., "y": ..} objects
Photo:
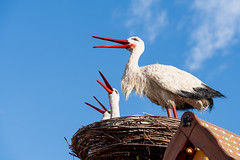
[
  {"x": 124, "y": 43},
  {"x": 108, "y": 87},
  {"x": 100, "y": 104},
  {"x": 99, "y": 110}
]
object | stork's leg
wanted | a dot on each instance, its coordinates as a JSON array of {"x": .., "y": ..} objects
[
  {"x": 174, "y": 111},
  {"x": 169, "y": 112}
]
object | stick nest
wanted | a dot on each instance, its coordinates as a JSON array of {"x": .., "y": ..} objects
[{"x": 128, "y": 138}]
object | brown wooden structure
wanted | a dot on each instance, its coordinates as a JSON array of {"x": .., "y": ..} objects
[{"x": 197, "y": 139}]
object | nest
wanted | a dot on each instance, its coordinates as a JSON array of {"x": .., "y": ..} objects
[{"x": 128, "y": 138}]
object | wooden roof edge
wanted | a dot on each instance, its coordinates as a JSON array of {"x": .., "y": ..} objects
[
  {"x": 191, "y": 129},
  {"x": 234, "y": 134}
]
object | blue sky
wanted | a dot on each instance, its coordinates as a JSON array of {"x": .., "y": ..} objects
[{"x": 49, "y": 69}]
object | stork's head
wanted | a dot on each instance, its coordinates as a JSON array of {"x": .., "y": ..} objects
[
  {"x": 114, "y": 96},
  {"x": 131, "y": 44},
  {"x": 136, "y": 43}
]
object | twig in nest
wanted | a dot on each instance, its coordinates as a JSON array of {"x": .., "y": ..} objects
[
  {"x": 67, "y": 142},
  {"x": 147, "y": 114}
]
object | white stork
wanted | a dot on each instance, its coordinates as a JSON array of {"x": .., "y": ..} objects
[
  {"x": 164, "y": 85},
  {"x": 106, "y": 113},
  {"x": 113, "y": 97}
]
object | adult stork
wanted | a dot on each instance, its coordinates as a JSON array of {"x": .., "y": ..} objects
[
  {"x": 106, "y": 113},
  {"x": 113, "y": 97},
  {"x": 164, "y": 85}
]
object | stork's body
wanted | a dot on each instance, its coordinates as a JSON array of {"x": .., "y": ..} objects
[
  {"x": 161, "y": 83},
  {"x": 164, "y": 85}
]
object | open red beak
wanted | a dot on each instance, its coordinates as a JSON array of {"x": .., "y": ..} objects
[
  {"x": 105, "y": 109},
  {"x": 99, "y": 110},
  {"x": 108, "y": 87},
  {"x": 124, "y": 43}
]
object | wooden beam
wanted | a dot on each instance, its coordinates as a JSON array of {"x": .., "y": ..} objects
[{"x": 175, "y": 146}]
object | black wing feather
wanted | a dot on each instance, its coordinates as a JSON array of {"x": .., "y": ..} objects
[{"x": 204, "y": 92}]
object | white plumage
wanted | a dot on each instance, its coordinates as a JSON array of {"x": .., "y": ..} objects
[
  {"x": 114, "y": 103},
  {"x": 106, "y": 115},
  {"x": 164, "y": 85}
]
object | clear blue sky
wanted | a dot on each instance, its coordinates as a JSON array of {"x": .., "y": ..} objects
[{"x": 48, "y": 67}]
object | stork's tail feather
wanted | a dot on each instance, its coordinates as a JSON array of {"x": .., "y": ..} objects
[{"x": 209, "y": 92}]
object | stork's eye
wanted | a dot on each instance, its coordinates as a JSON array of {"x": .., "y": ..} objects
[
  {"x": 135, "y": 39},
  {"x": 116, "y": 91}
]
